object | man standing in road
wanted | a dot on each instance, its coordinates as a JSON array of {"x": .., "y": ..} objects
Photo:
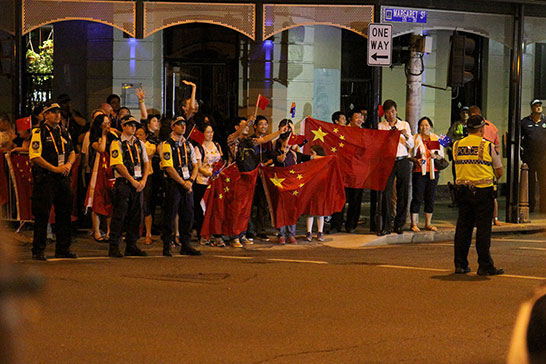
[
  {"x": 401, "y": 171},
  {"x": 533, "y": 137},
  {"x": 477, "y": 163}
]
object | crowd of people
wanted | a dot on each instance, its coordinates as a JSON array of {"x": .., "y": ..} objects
[{"x": 128, "y": 166}]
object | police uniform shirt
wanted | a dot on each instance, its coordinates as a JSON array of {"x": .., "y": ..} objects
[
  {"x": 533, "y": 136},
  {"x": 178, "y": 155},
  {"x": 52, "y": 144},
  {"x": 129, "y": 151}
]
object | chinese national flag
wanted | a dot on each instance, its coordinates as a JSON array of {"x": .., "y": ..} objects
[
  {"x": 262, "y": 102},
  {"x": 296, "y": 139},
  {"x": 197, "y": 135},
  {"x": 314, "y": 188},
  {"x": 4, "y": 192},
  {"x": 228, "y": 201},
  {"x": 365, "y": 156},
  {"x": 19, "y": 166},
  {"x": 23, "y": 124}
]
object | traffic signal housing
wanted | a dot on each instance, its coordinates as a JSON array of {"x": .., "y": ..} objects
[{"x": 461, "y": 60}]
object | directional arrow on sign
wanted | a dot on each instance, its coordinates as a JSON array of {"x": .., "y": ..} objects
[{"x": 375, "y": 56}]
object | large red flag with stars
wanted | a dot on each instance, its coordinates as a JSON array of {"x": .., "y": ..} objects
[
  {"x": 313, "y": 188},
  {"x": 228, "y": 201},
  {"x": 365, "y": 156}
]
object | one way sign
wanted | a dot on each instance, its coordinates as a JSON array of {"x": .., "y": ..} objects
[{"x": 379, "y": 44}]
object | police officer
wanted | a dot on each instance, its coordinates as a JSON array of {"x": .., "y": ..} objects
[
  {"x": 476, "y": 165},
  {"x": 180, "y": 165},
  {"x": 129, "y": 158},
  {"x": 533, "y": 138},
  {"x": 52, "y": 155}
]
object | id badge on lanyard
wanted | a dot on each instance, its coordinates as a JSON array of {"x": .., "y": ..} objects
[
  {"x": 138, "y": 171},
  {"x": 60, "y": 159},
  {"x": 185, "y": 173}
]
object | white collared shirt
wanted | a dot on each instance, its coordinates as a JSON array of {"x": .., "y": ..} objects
[{"x": 400, "y": 125}]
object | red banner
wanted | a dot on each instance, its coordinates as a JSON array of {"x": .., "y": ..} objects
[
  {"x": 4, "y": 192},
  {"x": 228, "y": 201},
  {"x": 312, "y": 188},
  {"x": 19, "y": 166},
  {"x": 365, "y": 156}
]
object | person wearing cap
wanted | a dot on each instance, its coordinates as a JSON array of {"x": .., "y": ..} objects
[
  {"x": 179, "y": 163},
  {"x": 477, "y": 164},
  {"x": 533, "y": 138},
  {"x": 129, "y": 159},
  {"x": 52, "y": 156}
]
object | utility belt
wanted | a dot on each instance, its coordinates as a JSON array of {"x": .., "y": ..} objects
[{"x": 473, "y": 184}]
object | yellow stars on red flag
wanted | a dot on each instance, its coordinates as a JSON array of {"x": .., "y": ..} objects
[
  {"x": 295, "y": 193},
  {"x": 319, "y": 134},
  {"x": 336, "y": 130},
  {"x": 341, "y": 145},
  {"x": 226, "y": 189},
  {"x": 220, "y": 196},
  {"x": 342, "y": 137},
  {"x": 334, "y": 149},
  {"x": 228, "y": 179},
  {"x": 292, "y": 171},
  {"x": 299, "y": 176},
  {"x": 277, "y": 181}
]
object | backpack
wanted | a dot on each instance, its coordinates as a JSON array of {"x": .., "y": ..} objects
[{"x": 246, "y": 157}]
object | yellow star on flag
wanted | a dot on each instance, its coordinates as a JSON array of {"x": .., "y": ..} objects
[
  {"x": 301, "y": 185},
  {"x": 226, "y": 189},
  {"x": 277, "y": 181},
  {"x": 319, "y": 134},
  {"x": 342, "y": 137},
  {"x": 292, "y": 171},
  {"x": 220, "y": 196},
  {"x": 334, "y": 149},
  {"x": 299, "y": 176},
  {"x": 341, "y": 145},
  {"x": 336, "y": 130},
  {"x": 228, "y": 179},
  {"x": 295, "y": 193}
]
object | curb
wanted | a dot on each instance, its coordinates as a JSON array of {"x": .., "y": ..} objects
[{"x": 436, "y": 236}]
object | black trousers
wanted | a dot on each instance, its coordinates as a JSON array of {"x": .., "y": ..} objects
[
  {"x": 401, "y": 171},
  {"x": 127, "y": 213},
  {"x": 538, "y": 170},
  {"x": 256, "y": 223},
  {"x": 51, "y": 190},
  {"x": 475, "y": 209},
  {"x": 423, "y": 190},
  {"x": 354, "y": 201},
  {"x": 198, "y": 193},
  {"x": 177, "y": 201}
]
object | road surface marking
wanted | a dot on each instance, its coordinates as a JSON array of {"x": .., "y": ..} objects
[
  {"x": 298, "y": 261},
  {"x": 412, "y": 268},
  {"x": 232, "y": 257},
  {"x": 522, "y": 277},
  {"x": 529, "y": 248},
  {"x": 76, "y": 259},
  {"x": 520, "y": 240}
]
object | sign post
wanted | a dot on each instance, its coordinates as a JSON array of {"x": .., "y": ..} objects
[{"x": 380, "y": 45}]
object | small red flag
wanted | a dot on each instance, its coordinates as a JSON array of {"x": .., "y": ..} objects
[
  {"x": 314, "y": 188},
  {"x": 296, "y": 139},
  {"x": 365, "y": 156},
  {"x": 197, "y": 135},
  {"x": 23, "y": 124},
  {"x": 228, "y": 201},
  {"x": 262, "y": 102},
  {"x": 433, "y": 145},
  {"x": 380, "y": 111}
]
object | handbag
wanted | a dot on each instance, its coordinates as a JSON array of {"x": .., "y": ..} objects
[{"x": 441, "y": 163}]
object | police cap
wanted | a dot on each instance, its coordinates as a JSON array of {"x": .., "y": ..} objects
[
  {"x": 536, "y": 101},
  {"x": 51, "y": 106},
  {"x": 475, "y": 122},
  {"x": 178, "y": 120}
]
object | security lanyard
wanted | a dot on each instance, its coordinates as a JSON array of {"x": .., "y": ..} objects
[
  {"x": 131, "y": 153},
  {"x": 185, "y": 155},
  {"x": 54, "y": 141}
]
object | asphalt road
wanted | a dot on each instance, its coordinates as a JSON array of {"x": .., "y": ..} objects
[{"x": 268, "y": 304}]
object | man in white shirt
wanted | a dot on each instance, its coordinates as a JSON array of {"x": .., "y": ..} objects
[{"x": 401, "y": 171}]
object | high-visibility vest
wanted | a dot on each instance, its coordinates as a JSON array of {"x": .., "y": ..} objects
[{"x": 473, "y": 162}]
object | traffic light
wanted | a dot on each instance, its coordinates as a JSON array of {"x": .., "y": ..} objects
[{"x": 461, "y": 60}]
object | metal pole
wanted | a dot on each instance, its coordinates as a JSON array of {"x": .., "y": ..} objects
[
  {"x": 375, "y": 196},
  {"x": 18, "y": 62},
  {"x": 414, "y": 74},
  {"x": 512, "y": 198}
]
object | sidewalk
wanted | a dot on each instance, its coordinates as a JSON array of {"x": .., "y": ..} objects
[{"x": 444, "y": 218}]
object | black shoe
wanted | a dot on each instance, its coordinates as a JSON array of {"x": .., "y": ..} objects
[
  {"x": 188, "y": 250},
  {"x": 65, "y": 255},
  {"x": 134, "y": 251},
  {"x": 167, "y": 252},
  {"x": 384, "y": 232},
  {"x": 263, "y": 237},
  {"x": 398, "y": 230},
  {"x": 39, "y": 256},
  {"x": 461, "y": 270},
  {"x": 490, "y": 272},
  {"x": 348, "y": 229},
  {"x": 114, "y": 252}
]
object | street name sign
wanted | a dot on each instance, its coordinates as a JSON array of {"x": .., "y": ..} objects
[
  {"x": 406, "y": 15},
  {"x": 379, "y": 44}
]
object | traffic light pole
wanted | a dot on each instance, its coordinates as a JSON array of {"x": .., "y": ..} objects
[{"x": 514, "y": 111}]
